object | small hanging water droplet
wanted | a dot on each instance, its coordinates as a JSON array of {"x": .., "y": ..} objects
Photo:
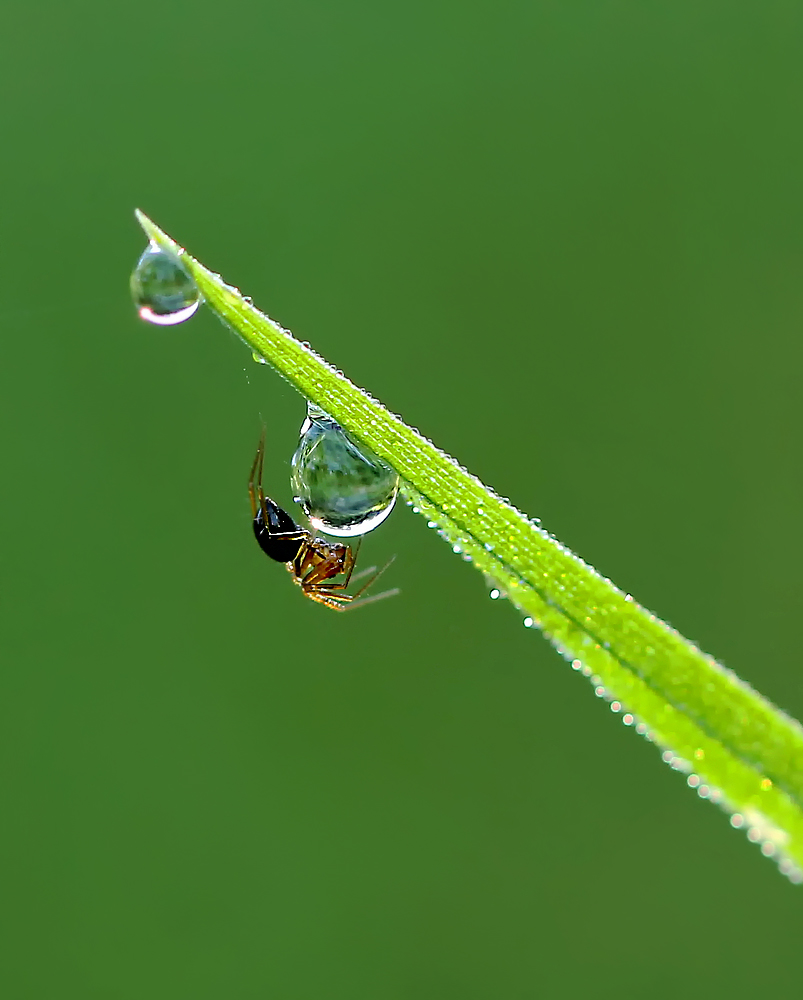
[
  {"x": 343, "y": 488},
  {"x": 163, "y": 290},
  {"x": 258, "y": 358}
]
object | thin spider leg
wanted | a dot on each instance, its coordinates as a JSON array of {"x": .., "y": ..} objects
[
  {"x": 370, "y": 600},
  {"x": 363, "y": 573},
  {"x": 327, "y": 600},
  {"x": 348, "y": 602},
  {"x": 320, "y": 575},
  {"x": 372, "y": 580},
  {"x": 256, "y": 478},
  {"x": 351, "y": 562},
  {"x": 329, "y": 587}
]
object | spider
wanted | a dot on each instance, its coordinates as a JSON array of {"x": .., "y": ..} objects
[{"x": 312, "y": 561}]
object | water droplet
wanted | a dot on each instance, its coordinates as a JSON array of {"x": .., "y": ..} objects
[
  {"x": 528, "y": 622},
  {"x": 344, "y": 488},
  {"x": 163, "y": 290},
  {"x": 258, "y": 358},
  {"x": 495, "y": 594}
]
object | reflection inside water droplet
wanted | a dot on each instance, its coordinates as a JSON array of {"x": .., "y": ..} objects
[
  {"x": 343, "y": 488},
  {"x": 163, "y": 290}
]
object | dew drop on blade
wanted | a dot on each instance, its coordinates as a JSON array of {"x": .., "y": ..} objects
[
  {"x": 163, "y": 290},
  {"x": 343, "y": 487}
]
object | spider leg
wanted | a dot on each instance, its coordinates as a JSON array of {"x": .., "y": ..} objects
[
  {"x": 350, "y": 562},
  {"x": 323, "y": 592},
  {"x": 347, "y": 602},
  {"x": 363, "y": 573},
  {"x": 256, "y": 478},
  {"x": 328, "y": 600},
  {"x": 320, "y": 575},
  {"x": 370, "y": 600},
  {"x": 373, "y": 579},
  {"x": 303, "y": 564}
]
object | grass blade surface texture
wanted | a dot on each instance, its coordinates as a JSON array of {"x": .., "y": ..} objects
[{"x": 738, "y": 749}]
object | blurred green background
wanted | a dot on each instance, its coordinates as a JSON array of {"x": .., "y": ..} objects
[{"x": 564, "y": 240}]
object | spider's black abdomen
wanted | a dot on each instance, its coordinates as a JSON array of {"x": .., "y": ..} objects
[{"x": 282, "y": 538}]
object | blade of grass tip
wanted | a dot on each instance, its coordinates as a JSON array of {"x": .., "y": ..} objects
[{"x": 735, "y": 748}]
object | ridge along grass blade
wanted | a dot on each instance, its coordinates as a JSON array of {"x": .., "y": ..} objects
[{"x": 738, "y": 749}]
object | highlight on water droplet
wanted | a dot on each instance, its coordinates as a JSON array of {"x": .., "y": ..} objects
[
  {"x": 344, "y": 488},
  {"x": 162, "y": 288}
]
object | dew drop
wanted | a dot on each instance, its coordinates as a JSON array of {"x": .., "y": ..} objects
[
  {"x": 344, "y": 488},
  {"x": 495, "y": 594},
  {"x": 163, "y": 290},
  {"x": 258, "y": 358}
]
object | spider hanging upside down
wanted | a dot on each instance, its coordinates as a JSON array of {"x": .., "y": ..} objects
[{"x": 312, "y": 561}]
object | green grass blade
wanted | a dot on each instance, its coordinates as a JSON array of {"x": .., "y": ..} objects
[{"x": 738, "y": 749}]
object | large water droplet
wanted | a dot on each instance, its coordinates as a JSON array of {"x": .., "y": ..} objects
[
  {"x": 345, "y": 489},
  {"x": 163, "y": 290}
]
